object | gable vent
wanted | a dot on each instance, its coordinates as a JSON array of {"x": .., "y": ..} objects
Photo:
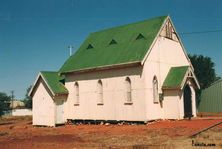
[
  {"x": 89, "y": 46},
  {"x": 112, "y": 42},
  {"x": 140, "y": 36}
]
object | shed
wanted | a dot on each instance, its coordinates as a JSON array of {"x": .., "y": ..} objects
[
  {"x": 211, "y": 98},
  {"x": 48, "y": 94}
]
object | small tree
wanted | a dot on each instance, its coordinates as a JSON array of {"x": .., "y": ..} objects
[
  {"x": 4, "y": 102},
  {"x": 28, "y": 99},
  {"x": 204, "y": 70}
]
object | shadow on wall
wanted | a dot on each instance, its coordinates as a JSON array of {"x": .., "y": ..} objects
[{"x": 102, "y": 74}]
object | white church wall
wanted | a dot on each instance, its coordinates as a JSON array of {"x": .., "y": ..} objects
[
  {"x": 43, "y": 106},
  {"x": 114, "y": 95},
  {"x": 165, "y": 53},
  {"x": 173, "y": 104}
]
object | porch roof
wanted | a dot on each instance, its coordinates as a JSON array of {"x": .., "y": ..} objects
[
  {"x": 175, "y": 77},
  {"x": 53, "y": 81}
]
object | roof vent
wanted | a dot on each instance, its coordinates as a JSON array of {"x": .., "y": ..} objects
[
  {"x": 140, "y": 36},
  {"x": 112, "y": 42},
  {"x": 89, "y": 46}
]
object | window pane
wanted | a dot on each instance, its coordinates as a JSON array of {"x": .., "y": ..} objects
[
  {"x": 100, "y": 91},
  {"x": 155, "y": 90},
  {"x": 76, "y": 93},
  {"x": 128, "y": 90}
]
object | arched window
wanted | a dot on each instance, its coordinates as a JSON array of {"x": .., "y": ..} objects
[
  {"x": 128, "y": 90},
  {"x": 155, "y": 90},
  {"x": 76, "y": 92},
  {"x": 100, "y": 92}
]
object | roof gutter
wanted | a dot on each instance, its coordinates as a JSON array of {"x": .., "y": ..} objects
[
  {"x": 171, "y": 88},
  {"x": 107, "y": 67}
]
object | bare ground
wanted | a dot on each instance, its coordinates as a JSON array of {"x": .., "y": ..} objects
[{"x": 18, "y": 132}]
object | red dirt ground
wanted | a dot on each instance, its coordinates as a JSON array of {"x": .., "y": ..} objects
[{"x": 19, "y": 133}]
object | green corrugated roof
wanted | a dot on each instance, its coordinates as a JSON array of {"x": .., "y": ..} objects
[
  {"x": 126, "y": 50},
  {"x": 54, "y": 81},
  {"x": 175, "y": 77},
  {"x": 211, "y": 98}
]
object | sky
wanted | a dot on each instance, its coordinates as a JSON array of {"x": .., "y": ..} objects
[{"x": 35, "y": 34}]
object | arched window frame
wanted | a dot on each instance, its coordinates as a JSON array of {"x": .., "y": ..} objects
[
  {"x": 128, "y": 88},
  {"x": 76, "y": 93},
  {"x": 100, "y": 92},
  {"x": 155, "y": 90}
]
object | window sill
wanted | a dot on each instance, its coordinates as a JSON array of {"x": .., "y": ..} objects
[
  {"x": 128, "y": 103},
  {"x": 100, "y": 104},
  {"x": 76, "y": 104}
]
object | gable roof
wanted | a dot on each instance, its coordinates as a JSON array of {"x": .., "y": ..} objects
[
  {"x": 128, "y": 49},
  {"x": 177, "y": 76},
  {"x": 53, "y": 82}
]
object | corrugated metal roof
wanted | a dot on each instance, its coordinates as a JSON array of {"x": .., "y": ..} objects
[
  {"x": 96, "y": 50},
  {"x": 211, "y": 98},
  {"x": 54, "y": 81},
  {"x": 175, "y": 77}
]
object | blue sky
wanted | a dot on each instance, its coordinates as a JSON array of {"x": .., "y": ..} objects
[{"x": 35, "y": 34}]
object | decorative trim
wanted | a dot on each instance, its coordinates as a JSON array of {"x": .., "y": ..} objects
[{"x": 107, "y": 67}]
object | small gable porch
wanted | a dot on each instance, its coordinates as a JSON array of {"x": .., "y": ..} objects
[{"x": 179, "y": 93}]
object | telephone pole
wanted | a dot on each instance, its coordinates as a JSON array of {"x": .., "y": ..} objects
[{"x": 12, "y": 98}]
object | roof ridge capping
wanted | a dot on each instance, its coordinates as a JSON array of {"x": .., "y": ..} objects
[{"x": 133, "y": 23}]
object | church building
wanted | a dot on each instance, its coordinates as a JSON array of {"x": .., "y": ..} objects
[{"x": 135, "y": 72}]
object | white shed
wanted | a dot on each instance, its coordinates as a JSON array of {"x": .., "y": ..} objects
[{"x": 48, "y": 96}]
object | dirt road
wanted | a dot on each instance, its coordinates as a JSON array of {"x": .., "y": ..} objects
[{"x": 19, "y": 133}]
